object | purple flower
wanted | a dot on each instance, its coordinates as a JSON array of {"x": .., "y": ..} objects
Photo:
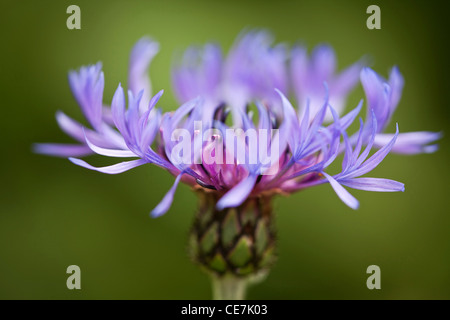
[{"x": 280, "y": 149}]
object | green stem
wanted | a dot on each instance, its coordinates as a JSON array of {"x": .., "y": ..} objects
[{"x": 229, "y": 288}]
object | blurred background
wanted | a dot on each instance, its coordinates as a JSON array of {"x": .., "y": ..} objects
[{"x": 55, "y": 214}]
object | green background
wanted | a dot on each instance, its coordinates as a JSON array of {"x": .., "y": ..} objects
[{"x": 55, "y": 214}]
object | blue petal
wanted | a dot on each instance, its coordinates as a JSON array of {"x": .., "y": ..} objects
[
  {"x": 345, "y": 196},
  {"x": 141, "y": 56},
  {"x": 410, "y": 142},
  {"x": 109, "y": 152},
  {"x": 396, "y": 83},
  {"x": 238, "y": 194},
  {"x": 290, "y": 128},
  {"x": 114, "y": 169},
  {"x": 324, "y": 62},
  {"x": 374, "y": 160},
  {"x": 87, "y": 86},
  {"x": 70, "y": 126},
  {"x": 118, "y": 111},
  {"x": 62, "y": 150},
  {"x": 374, "y": 184},
  {"x": 166, "y": 202}
]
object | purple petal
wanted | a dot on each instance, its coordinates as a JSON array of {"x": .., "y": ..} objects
[
  {"x": 366, "y": 151},
  {"x": 253, "y": 69},
  {"x": 359, "y": 143},
  {"x": 374, "y": 160},
  {"x": 149, "y": 132},
  {"x": 70, "y": 126},
  {"x": 343, "y": 194},
  {"x": 182, "y": 111},
  {"x": 107, "y": 115},
  {"x": 237, "y": 195},
  {"x": 110, "y": 138},
  {"x": 118, "y": 111},
  {"x": 323, "y": 62},
  {"x": 199, "y": 73},
  {"x": 347, "y": 79},
  {"x": 348, "y": 119},
  {"x": 290, "y": 128},
  {"x": 114, "y": 169},
  {"x": 141, "y": 56},
  {"x": 154, "y": 100},
  {"x": 109, "y": 152},
  {"x": 132, "y": 115},
  {"x": 166, "y": 202},
  {"x": 87, "y": 87},
  {"x": 374, "y": 184},
  {"x": 299, "y": 70},
  {"x": 377, "y": 93},
  {"x": 106, "y": 138},
  {"x": 62, "y": 150},
  {"x": 410, "y": 142},
  {"x": 396, "y": 83}
]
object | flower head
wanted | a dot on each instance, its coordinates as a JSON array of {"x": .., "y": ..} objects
[{"x": 236, "y": 133}]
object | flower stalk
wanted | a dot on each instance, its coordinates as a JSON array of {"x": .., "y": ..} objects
[{"x": 229, "y": 288}]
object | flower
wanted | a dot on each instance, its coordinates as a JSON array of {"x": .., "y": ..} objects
[{"x": 303, "y": 141}]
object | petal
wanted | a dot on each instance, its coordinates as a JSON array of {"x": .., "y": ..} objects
[
  {"x": 410, "y": 142},
  {"x": 348, "y": 119},
  {"x": 359, "y": 142},
  {"x": 154, "y": 100},
  {"x": 396, "y": 82},
  {"x": 368, "y": 148},
  {"x": 323, "y": 62},
  {"x": 198, "y": 73},
  {"x": 347, "y": 79},
  {"x": 109, "y": 152},
  {"x": 374, "y": 184},
  {"x": 290, "y": 129},
  {"x": 114, "y": 169},
  {"x": 87, "y": 87},
  {"x": 70, "y": 126},
  {"x": 149, "y": 132},
  {"x": 166, "y": 202},
  {"x": 373, "y": 86},
  {"x": 110, "y": 138},
  {"x": 377, "y": 93},
  {"x": 299, "y": 71},
  {"x": 237, "y": 195},
  {"x": 62, "y": 150},
  {"x": 132, "y": 115},
  {"x": 141, "y": 56},
  {"x": 345, "y": 196},
  {"x": 182, "y": 111},
  {"x": 212, "y": 67},
  {"x": 374, "y": 160},
  {"x": 118, "y": 111}
]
